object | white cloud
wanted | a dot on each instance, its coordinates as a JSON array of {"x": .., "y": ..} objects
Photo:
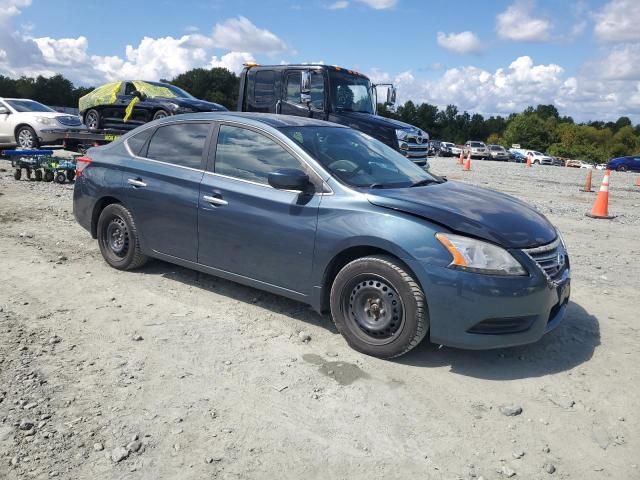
[
  {"x": 63, "y": 51},
  {"x": 10, "y": 8},
  {"x": 518, "y": 23},
  {"x": 240, "y": 34},
  {"x": 379, "y": 4},
  {"x": 233, "y": 61},
  {"x": 622, "y": 62},
  {"x": 340, "y": 4},
  {"x": 618, "y": 21},
  {"x": 463, "y": 42}
]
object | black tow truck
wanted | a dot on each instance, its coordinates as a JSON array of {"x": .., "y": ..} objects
[{"x": 329, "y": 93}]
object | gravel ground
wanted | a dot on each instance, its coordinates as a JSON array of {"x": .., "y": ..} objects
[{"x": 168, "y": 373}]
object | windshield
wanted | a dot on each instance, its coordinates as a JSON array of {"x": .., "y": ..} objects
[
  {"x": 350, "y": 93},
  {"x": 357, "y": 159},
  {"x": 28, "y": 106},
  {"x": 497, "y": 148},
  {"x": 178, "y": 92},
  {"x": 476, "y": 144}
]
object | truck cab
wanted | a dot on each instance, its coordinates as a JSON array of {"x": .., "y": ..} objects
[{"x": 329, "y": 93}]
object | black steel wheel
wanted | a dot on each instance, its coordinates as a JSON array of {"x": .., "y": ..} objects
[
  {"x": 621, "y": 168},
  {"x": 17, "y": 174},
  {"x": 48, "y": 176},
  {"x": 71, "y": 174},
  {"x": 379, "y": 307},
  {"x": 160, "y": 114},
  {"x": 118, "y": 238},
  {"x": 92, "y": 119},
  {"x": 38, "y": 175},
  {"x": 26, "y": 137},
  {"x": 61, "y": 177}
]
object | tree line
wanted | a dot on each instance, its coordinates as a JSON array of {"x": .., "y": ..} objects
[{"x": 539, "y": 128}]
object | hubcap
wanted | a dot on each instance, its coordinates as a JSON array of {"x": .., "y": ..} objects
[
  {"x": 375, "y": 308},
  {"x": 92, "y": 120},
  {"x": 25, "y": 139},
  {"x": 117, "y": 237},
  {"x": 160, "y": 114}
]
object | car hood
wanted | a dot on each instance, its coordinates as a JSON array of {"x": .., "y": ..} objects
[
  {"x": 196, "y": 104},
  {"x": 473, "y": 211}
]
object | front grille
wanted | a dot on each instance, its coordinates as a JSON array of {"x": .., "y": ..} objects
[
  {"x": 417, "y": 147},
  {"x": 70, "y": 121},
  {"x": 551, "y": 258}
]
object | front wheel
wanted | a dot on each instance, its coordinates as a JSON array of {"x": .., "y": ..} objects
[
  {"x": 118, "y": 238},
  {"x": 379, "y": 307},
  {"x": 92, "y": 119},
  {"x": 160, "y": 114},
  {"x": 48, "y": 176},
  {"x": 26, "y": 138},
  {"x": 621, "y": 168}
]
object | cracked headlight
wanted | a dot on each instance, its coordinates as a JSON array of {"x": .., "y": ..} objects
[{"x": 478, "y": 256}]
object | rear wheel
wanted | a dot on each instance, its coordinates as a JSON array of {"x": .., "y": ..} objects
[
  {"x": 92, "y": 119},
  {"x": 61, "y": 177},
  {"x": 378, "y": 307},
  {"x": 48, "y": 176},
  {"x": 160, "y": 114},
  {"x": 118, "y": 238},
  {"x": 621, "y": 168},
  {"x": 38, "y": 175},
  {"x": 26, "y": 137},
  {"x": 17, "y": 174}
]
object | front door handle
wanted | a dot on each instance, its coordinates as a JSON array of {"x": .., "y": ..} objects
[
  {"x": 136, "y": 182},
  {"x": 215, "y": 200}
]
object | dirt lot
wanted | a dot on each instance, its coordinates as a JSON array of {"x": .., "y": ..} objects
[{"x": 166, "y": 373}]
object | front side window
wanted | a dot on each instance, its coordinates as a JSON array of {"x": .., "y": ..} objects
[
  {"x": 264, "y": 87},
  {"x": 181, "y": 144},
  {"x": 356, "y": 158},
  {"x": 28, "y": 106},
  {"x": 350, "y": 93},
  {"x": 247, "y": 155}
]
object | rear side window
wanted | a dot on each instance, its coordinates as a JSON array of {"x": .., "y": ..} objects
[
  {"x": 264, "y": 87},
  {"x": 181, "y": 144},
  {"x": 248, "y": 155},
  {"x": 137, "y": 141}
]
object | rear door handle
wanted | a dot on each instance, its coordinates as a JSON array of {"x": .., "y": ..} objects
[
  {"x": 215, "y": 200},
  {"x": 136, "y": 182}
]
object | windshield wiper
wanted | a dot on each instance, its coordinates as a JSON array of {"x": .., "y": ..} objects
[
  {"x": 421, "y": 183},
  {"x": 376, "y": 185}
]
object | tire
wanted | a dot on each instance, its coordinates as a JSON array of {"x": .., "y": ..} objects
[
  {"x": 38, "y": 175},
  {"x": 61, "y": 177},
  {"x": 118, "y": 238},
  {"x": 17, "y": 175},
  {"x": 26, "y": 138},
  {"x": 400, "y": 319},
  {"x": 92, "y": 119},
  {"x": 48, "y": 176},
  {"x": 71, "y": 174},
  {"x": 621, "y": 168},
  {"x": 160, "y": 114}
]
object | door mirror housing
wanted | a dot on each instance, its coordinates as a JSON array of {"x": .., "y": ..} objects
[
  {"x": 305, "y": 87},
  {"x": 139, "y": 94},
  {"x": 391, "y": 95},
  {"x": 289, "y": 179},
  {"x": 4, "y": 111}
]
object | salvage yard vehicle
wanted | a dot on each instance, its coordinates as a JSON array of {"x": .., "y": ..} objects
[
  {"x": 477, "y": 150},
  {"x": 29, "y": 124},
  {"x": 345, "y": 223},
  {"x": 497, "y": 152},
  {"x": 329, "y": 93},
  {"x": 622, "y": 164},
  {"x": 447, "y": 149},
  {"x": 128, "y": 104}
]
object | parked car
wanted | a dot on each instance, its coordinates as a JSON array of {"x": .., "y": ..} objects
[
  {"x": 331, "y": 217},
  {"x": 128, "y": 104},
  {"x": 601, "y": 166},
  {"x": 622, "y": 164},
  {"x": 497, "y": 152},
  {"x": 29, "y": 124},
  {"x": 578, "y": 164},
  {"x": 517, "y": 156},
  {"x": 477, "y": 149},
  {"x": 456, "y": 149},
  {"x": 446, "y": 149},
  {"x": 539, "y": 158},
  {"x": 434, "y": 148}
]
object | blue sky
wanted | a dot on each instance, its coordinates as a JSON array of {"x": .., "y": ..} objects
[{"x": 485, "y": 56}]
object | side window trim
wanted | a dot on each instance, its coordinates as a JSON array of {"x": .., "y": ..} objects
[
  {"x": 205, "y": 149},
  {"x": 315, "y": 178}
]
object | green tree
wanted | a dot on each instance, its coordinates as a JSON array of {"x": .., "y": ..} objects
[
  {"x": 528, "y": 130},
  {"x": 217, "y": 85}
]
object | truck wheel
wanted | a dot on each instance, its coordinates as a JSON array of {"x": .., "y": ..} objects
[
  {"x": 71, "y": 174},
  {"x": 160, "y": 114},
  {"x": 61, "y": 177},
  {"x": 26, "y": 138},
  {"x": 92, "y": 119},
  {"x": 48, "y": 176},
  {"x": 118, "y": 238},
  {"x": 17, "y": 174},
  {"x": 38, "y": 175},
  {"x": 379, "y": 307}
]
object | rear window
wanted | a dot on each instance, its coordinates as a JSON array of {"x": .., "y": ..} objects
[
  {"x": 181, "y": 144},
  {"x": 138, "y": 141}
]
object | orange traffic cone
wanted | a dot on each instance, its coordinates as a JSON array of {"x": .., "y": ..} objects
[
  {"x": 601, "y": 206},
  {"x": 528, "y": 164},
  {"x": 461, "y": 158},
  {"x": 587, "y": 183},
  {"x": 467, "y": 164}
]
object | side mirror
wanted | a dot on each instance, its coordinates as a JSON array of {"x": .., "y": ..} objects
[
  {"x": 289, "y": 179},
  {"x": 391, "y": 95},
  {"x": 139, "y": 94},
  {"x": 4, "y": 111},
  {"x": 305, "y": 87}
]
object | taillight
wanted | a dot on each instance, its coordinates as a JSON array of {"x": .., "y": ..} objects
[{"x": 81, "y": 164}]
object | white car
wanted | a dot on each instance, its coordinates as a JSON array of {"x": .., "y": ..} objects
[
  {"x": 477, "y": 149},
  {"x": 29, "y": 124},
  {"x": 540, "y": 158}
]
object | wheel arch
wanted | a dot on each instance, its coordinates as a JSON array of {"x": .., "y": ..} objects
[
  {"x": 19, "y": 126},
  {"x": 348, "y": 255},
  {"x": 98, "y": 207}
]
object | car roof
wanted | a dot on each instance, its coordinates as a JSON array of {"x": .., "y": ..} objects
[{"x": 270, "y": 119}]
